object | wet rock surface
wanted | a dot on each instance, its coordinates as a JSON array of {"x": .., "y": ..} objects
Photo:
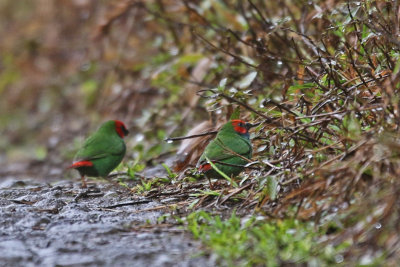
[{"x": 64, "y": 225}]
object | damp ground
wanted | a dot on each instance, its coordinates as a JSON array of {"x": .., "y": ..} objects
[{"x": 60, "y": 224}]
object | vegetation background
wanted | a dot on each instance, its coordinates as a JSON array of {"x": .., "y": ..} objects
[{"x": 322, "y": 78}]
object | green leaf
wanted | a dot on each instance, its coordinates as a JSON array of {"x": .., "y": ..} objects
[
  {"x": 190, "y": 58},
  {"x": 247, "y": 80},
  {"x": 193, "y": 203},
  {"x": 353, "y": 126},
  {"x": 134, "y": 168},
  {"x": 272, "y": 186},
  {"x": 170, "y": 173},
  {"x": 222, "y": 84},
  {"x": 231, "y": 181},
  {"x": 205, "y": 193}
]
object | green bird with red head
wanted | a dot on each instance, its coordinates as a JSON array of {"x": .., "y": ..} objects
[
  {"x": 229, "y": 151},
  {"x": 101, "y": 152}
]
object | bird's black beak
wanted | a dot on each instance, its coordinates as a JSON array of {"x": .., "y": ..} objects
[
  {"x": 252, "y": 125},
  {"x": 126, "y": 132}
]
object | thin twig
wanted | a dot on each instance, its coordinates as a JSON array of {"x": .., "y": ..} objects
[
  {"x": 231, "y": 99},
  {"x": 238, "y": 58},
  {"x": 162, "y": 207},
  {"x": 237, "y": 191},
  {"x": 171, "y": 139},
  {"x": 131, "y": 203}
]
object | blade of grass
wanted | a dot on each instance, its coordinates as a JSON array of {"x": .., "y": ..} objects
[{"x": 231, "y": 181}]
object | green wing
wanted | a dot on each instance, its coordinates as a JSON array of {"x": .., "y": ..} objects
[
  {"x": 221, "y": 148},
  {"x": 99, "y": 146}
]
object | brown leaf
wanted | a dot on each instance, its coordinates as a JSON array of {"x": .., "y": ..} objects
[{"x": 190, "y": 150}]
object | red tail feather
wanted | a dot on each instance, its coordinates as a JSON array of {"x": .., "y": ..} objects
[
  {"x": 205, "y": 167},
  {"x": 84, "y": 163}
]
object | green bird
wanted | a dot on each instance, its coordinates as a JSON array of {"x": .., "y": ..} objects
[
  {"x": 229, "y": 151},
  {"x": 101, "y": 152}
]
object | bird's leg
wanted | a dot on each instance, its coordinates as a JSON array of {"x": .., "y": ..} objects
[
  {"x": 209, "y": 181},
  {"x": 84, "y": 185}
]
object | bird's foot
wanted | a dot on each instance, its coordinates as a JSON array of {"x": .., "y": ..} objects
[
  {"x": 84, "y": 185},
  {"x": 215, "y": 185},
  {"x": 212, "y": 185}
]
